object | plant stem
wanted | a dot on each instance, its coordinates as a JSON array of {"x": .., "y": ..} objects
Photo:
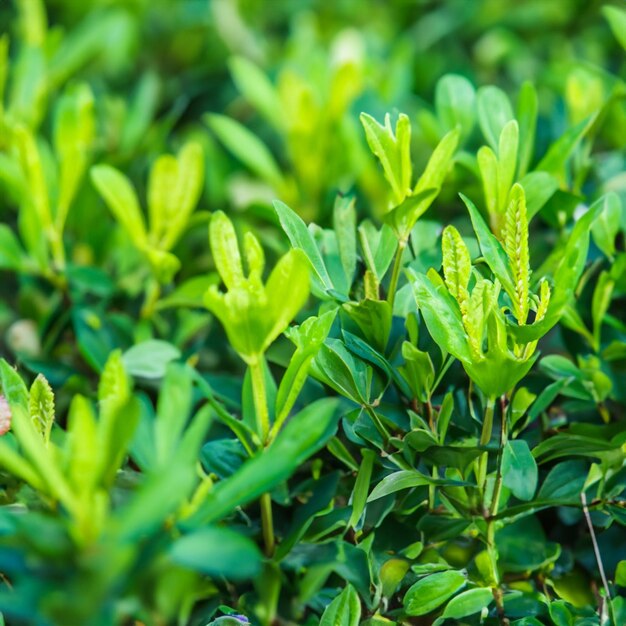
[
  {"x": 485, "y": 438},
  {"x": 267, "y": 523},
  {"x": 497, "y": 488},
  {"x": 259, "y": 395},
  {"x": 493, "y": 510},
  {"x": 395, "y": 273},
  {"x": 153, "y": 292},
  {"x": 596, "y": 551}
]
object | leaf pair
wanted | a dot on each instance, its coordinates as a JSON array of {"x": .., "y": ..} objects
[
  {"x": 46, "y": 193},
  {"x": 252, "y": 312},
  {"x": 174, "y": 187},
  {"x": 394, "y": 153}
]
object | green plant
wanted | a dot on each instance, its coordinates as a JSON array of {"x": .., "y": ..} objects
[{"x": 409, "y": 411}]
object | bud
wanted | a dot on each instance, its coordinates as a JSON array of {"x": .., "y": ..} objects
[{"x": 5, "y": 416}]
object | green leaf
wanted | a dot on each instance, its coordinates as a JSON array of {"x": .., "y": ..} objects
[
  {"x": 392, "y": 150},
  {"x": 308, "y": 338},
  {"x": 455, "y": 103},
  {"x": 41, "y": 406},
  {"x": 457, "y": 265},
  {"x": 600, "y": 303},
  {"x": 442, "y": 316},
  {"x": 488, "y": 167},
  {"x": 344, "y": 610},
  {"x": 607, "y": 224},
  {"x": 620, "y": 574},
  {"x": 40, "y": 457},
  {"x": 432, "y": 591},
  {"x": 247, "y": 147},
  {"x": 12, "y": 386},
  {"x": 527, "y": 106},
  {"x": 560, "y": 151},
  {"x": 378, "y": 247},
  {"x": 515, "y": 235},
  {"x": 74, "y": 134},
  {"x": 405, "y": 479},
  {"x": 359, "y": 497},
  {"x": 436, "y": 170},
  {"x": 304, "y": 434},
  {"x": 173, "y": 411},
  {"x": 572, "y": 445},
  {"x": 149, "y": 359},
  {"x": 569, "y": 270},
  {"x": 83, "y": 446},
  {"x": 491, "y": 248},
  {"x": 120, "y": 197},
  {"x": 344, "y": 223},
  {"x": 519, "y": 469},
  {"x": 190, "y": 293},
  {"x": 300, "y": 237},
  {"x": 373, "y": 317},
  {"x": 12, "y": 255},
  {"x": 616, "y": 17},
  {"x": 339, "y": 369},
  {"x": 418, "y": 371},
  {"x": 507, "y": 161},
  {"x": 257, "y": 89},
  {"x": 467, "y": 603},
  {"x": 539, "y": 187},
  {"x": 218, "y": 552},
  {"x": 494, "y": 111},
  {"x": 174, "y": 186},
  {"x": 114, "y": 387},
  {"x": 225, "y": 250}
]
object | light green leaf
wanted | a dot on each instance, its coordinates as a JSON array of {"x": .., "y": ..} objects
[
  {"x": 467, "y": 603},
  {"x": 225, "y": 250},
  {"x": 304, "y": 434},
  {"x": 41, "y": 406},
  {"x": 607, "y": 225},
  {"x": 515, "y": 237},
  {"x": 359, "y": 497},
  {"x": 121, "y": 199},
  {"x": 432, "y": 591},
  {"x": 560, "y": 151},
  {"x": 490, "y": 247},
  {"x": 455, "y": 103},
  {"x": 539, "y": 187},
  {"x": 218, "y": 552},
  {"x": 519, "y": 470},
  {"x": 507, "y": 161},
  {"x": 527, "y": 106},
  {"x": 257, "y": 89},
  {"x": 149, "y": 359},
  {"x": 300, "y": 237},
  {"x": 442, "y": 316},
  {"x": 494, "y": 111},
  {"x": 437, "y": 167},
  {"x": 344, "y": 610},
  {"x": 457, "y": 265},
  {"x": 600, "y": 303},
  {"x": 344, "y": 223},
  {"x": 248, "y": 148},
  {"x": 404, "y": 479},
  {"x": 392, "y": 150},
  {"x": 616, "y": 17}
]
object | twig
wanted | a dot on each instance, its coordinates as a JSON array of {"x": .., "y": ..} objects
[{"x": 596, "y": 549}]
